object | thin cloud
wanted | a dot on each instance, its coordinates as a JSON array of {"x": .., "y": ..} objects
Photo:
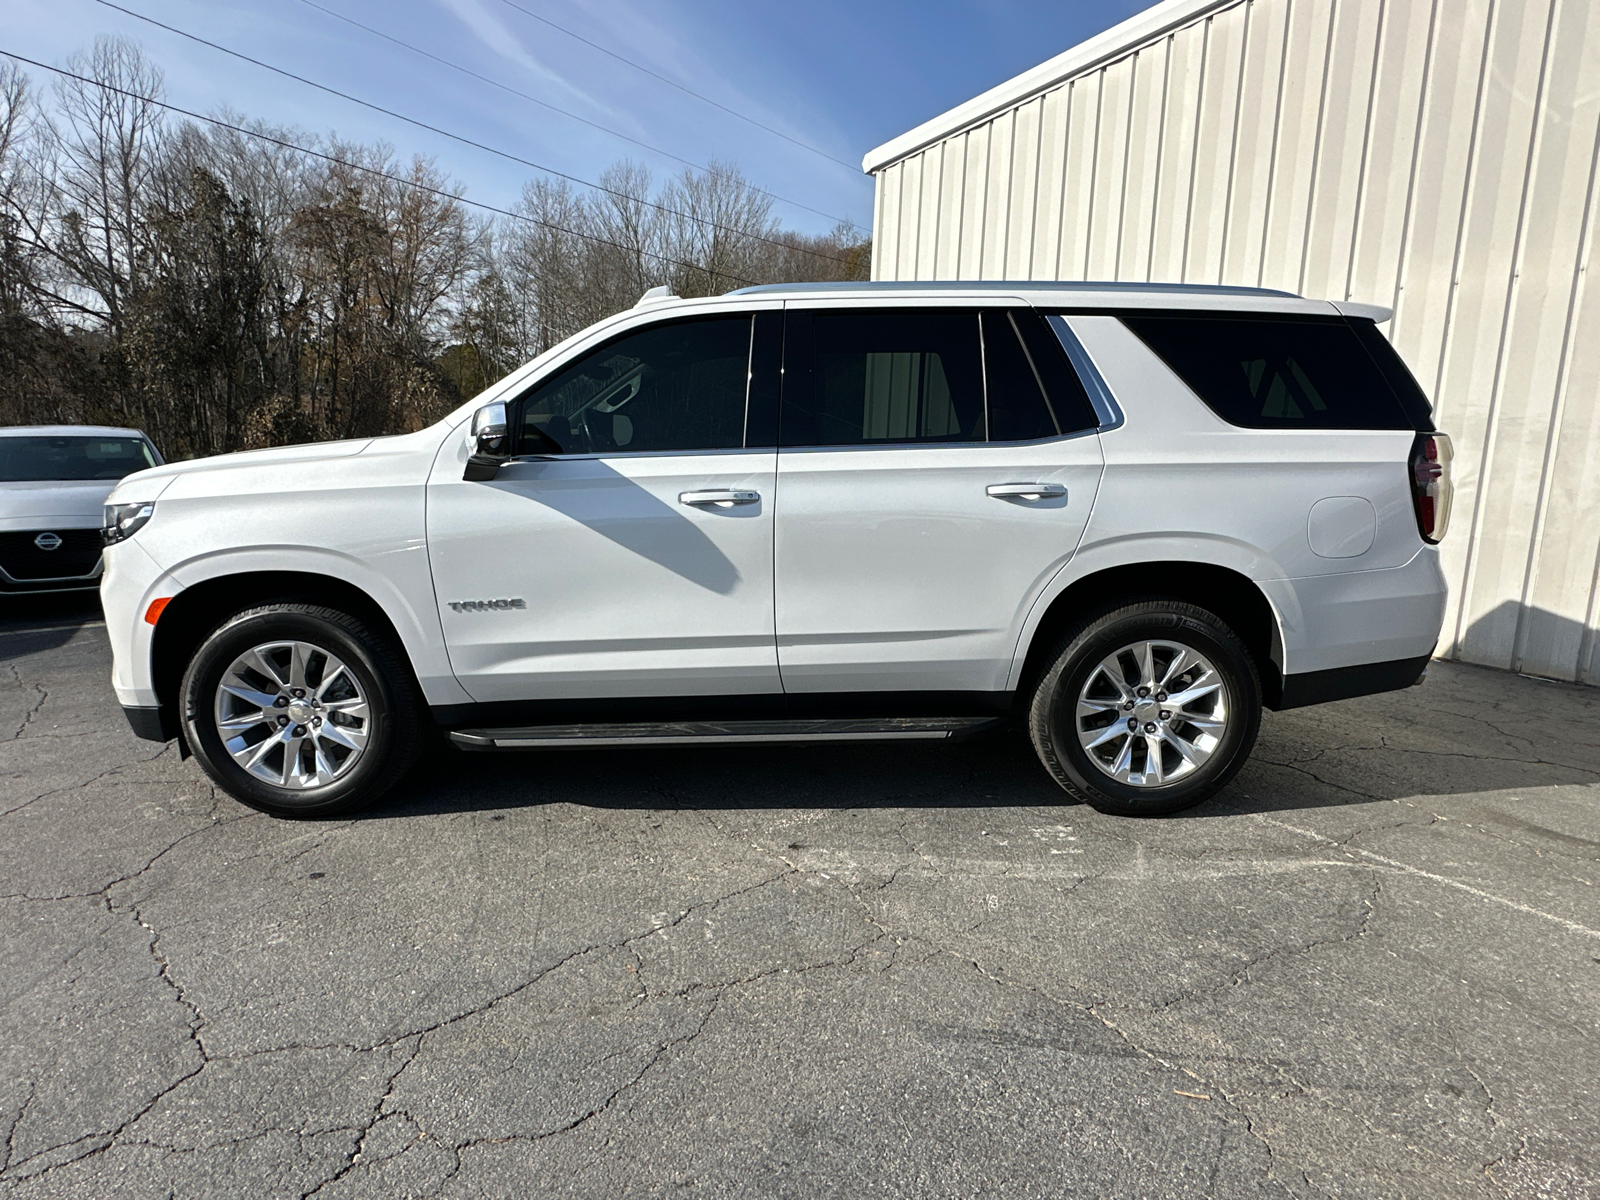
[
  {"x": 639, "y": 31},
  {"x": 494, "y": 34}
]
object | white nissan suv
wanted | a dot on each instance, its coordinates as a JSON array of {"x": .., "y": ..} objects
[{"x": 1130, "y": 516}]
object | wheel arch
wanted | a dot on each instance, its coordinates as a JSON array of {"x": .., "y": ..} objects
[
  {"x": 1233, "y": 597},
  {"x": 191, "y": 616}
]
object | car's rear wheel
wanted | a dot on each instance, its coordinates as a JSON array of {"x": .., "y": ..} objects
[
  {"x": 1146, "y": 708},
  {"x": 300, "y": 710}
]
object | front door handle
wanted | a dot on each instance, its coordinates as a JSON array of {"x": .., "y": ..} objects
[
  {"x": 721, "y": 497},
  {"x": 1027, "y": 491}
]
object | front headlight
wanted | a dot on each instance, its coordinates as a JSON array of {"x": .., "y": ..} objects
[{"x": 125, "y": 520}]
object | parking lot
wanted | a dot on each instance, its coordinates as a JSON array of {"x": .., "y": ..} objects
[{"x": 1371, "y": 969}]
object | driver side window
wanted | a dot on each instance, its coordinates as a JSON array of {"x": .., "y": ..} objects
[{"x": 677, "y": 386}]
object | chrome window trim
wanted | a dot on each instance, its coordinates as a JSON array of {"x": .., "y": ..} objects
[
  {"x": 866, "y": 446},
  {"x": 1100, "y": 398},
  {"x": 723, "y": 450}
]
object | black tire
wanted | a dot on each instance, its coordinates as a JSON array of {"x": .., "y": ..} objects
[
  {"x": 1052, "y": 714},
  {"x": 394, "y": 725}
]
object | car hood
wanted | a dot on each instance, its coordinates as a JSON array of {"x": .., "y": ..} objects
[
  {"x": 148, "y": 485},
  {"x": 68, "y": 504}
]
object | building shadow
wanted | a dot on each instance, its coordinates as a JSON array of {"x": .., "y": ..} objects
[{"x": 1534, "y": 641}]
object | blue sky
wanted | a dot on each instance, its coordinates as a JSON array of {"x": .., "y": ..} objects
[{"x": 840, "y": 76}]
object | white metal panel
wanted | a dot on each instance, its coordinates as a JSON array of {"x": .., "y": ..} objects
[
  {"x": 1175, "y": 184},
  {"x": 952, "y": 179},
  {"x": 1404, "y": 55},
  {"x": 1021, "y": 216},
  {"x": 1214, "y": 144},
  {"x": 909, "y": 207},
  {"x": 1052, "y": 183},
  {"x": 886, "y": 223},
  {"x": 1111, "y": 156},
  {"x": 1433, "y": 155},
  {"x": 974, "y": 188},
  {"x": 1535, "y": 454},
  {"x": 1341, "y": 163},
  {"x": 1260, "y": 92},
  {"x": 1299, "y": 132},
  {"x": 1083, "y": 126},
  {"x": 1145, "y": 128},
  {"x": 1491, "y": 243},
  {"x": 997, "y": 196}
]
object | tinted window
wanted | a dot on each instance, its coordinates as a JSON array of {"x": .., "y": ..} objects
[
  {"x": 1068, "y": 400},
  {"x": 1018, "y": 410},
  {"x": 857, "y": 378},
  {"x": 670, "y": 387},
  {"x": 34, "y": 457},
  {"x": 766, "y": 380},
  {"x": 1406, "y": 389},
  {"x": 1266, "y": 373}
]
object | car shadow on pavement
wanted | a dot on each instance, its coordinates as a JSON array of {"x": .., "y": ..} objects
[
  {"x": 991, "y": 769},
  {"x": 29, "y": 624},
  {"x": 1468, "y": 730}
]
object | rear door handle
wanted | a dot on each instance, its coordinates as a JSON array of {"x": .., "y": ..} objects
[
  {"x": 1027, "y": 491},
  {"x": 721, "y": 497}
]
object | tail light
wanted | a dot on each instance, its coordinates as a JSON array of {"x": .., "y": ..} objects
[{"x": 1431, "y": 488}]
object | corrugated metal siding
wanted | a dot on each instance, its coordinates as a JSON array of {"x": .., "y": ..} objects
[{"x": 1436, "y": 155}]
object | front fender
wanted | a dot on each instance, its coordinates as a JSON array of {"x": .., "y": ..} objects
[{"x": 410, "y": 609}]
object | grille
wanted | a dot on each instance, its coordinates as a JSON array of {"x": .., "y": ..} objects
[{"x": 77, "y": 555}]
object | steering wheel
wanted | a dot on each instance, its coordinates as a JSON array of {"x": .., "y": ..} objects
[{"x": 597, "y": 438}]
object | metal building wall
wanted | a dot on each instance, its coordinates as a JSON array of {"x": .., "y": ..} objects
[{"x": 1436, "y": 155}]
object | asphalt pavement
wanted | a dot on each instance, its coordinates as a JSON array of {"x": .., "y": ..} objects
[{"x": 1371, "y": 968}]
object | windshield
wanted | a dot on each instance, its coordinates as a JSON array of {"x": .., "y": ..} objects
[{"x": 26, "y": 459}]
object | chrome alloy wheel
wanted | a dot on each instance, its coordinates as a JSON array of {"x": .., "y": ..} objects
[
  {"x": 1151, "y": 713},
  {"x": 292, "y": 714}
]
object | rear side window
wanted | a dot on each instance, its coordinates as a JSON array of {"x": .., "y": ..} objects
[
  {"x": 1018, "y": 409},
  {"x": 1277, "y": 373},
  {"x": 1056, "y": 373},
  {"x": 1387, "y": 359},
  {"x": 877, "y": 376}
]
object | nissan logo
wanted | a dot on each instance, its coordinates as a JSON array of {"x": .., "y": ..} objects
[{"x": 47, "y": 541}]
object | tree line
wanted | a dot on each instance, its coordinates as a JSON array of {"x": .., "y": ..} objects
[{"x": 234, "y": 285}]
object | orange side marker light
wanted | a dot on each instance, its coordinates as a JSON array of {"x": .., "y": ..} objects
[{"x": 153, "y": 613}]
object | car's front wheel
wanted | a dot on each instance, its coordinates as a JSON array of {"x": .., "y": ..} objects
[
  {"x": 1147, "y": 708},
  {"x": 300, "y": 710}
]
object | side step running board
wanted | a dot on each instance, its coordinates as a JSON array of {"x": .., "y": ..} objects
[{"x": 709, "y": 733}]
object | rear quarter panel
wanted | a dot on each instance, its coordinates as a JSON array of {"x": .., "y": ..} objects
[{"x": 1181, "y": 485}]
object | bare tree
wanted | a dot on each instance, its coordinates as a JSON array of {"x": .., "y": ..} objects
[
  {"x": 718, "y": 223},
  {"x": 105, "y": 145},
  {"x": 236, "y": 284}
]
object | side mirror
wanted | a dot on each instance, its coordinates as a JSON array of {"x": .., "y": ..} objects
[{"x": 491, "y": 443}]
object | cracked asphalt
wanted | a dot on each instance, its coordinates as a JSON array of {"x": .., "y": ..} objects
[{"x": 1370, "y": 968}]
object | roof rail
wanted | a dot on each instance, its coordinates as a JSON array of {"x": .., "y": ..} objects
[
  {"x": 656, "y": 295},
  {"x": 1000, "y": 285}
]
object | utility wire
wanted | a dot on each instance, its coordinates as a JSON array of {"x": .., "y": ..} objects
[
  {"x": 617, "y": 133},
  {"x": 392, "y": 178},
  {"x": 565, "y": 112},
  {"x": 466, "y": 141},
  {"x": 674, "y": 83}
]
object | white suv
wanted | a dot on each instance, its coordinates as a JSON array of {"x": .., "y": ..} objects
[{"x": 1130, "y": 515}]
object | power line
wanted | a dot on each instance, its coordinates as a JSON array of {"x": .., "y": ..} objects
[
  {"x": 466, "y": 141},
  {"x": 617, "y": 133},
  {"x": 674, "y": 83},
  {"x": 392, "y": 178}
]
